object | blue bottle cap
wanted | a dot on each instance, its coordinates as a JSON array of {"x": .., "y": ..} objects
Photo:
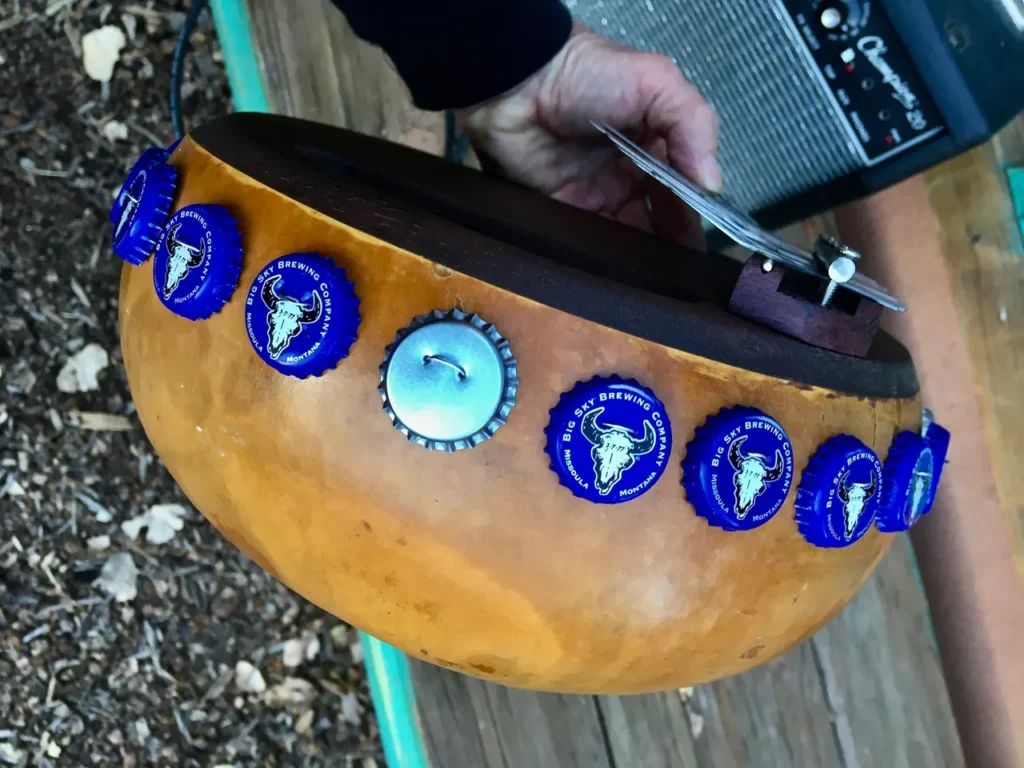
[
  {"x": 609, "y": 439},
  {"x": 738, "y": 468},
  {"x": 142, "y": 206},
  {"x": 302, "y": 314},
  {"x": 906, "y": 483},
  {"x": 839, "y": 493},
  {"x": 198, "y": 261},
  {"x": 937, "y": 438}
]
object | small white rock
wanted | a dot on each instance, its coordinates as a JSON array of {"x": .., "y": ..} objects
[
  {"x": 249, "y": 679},
  {"x": 98, "y": 543},
  {"x": 142, "y": 732},
  {"x": 357, "y": 652},
  {"x": 114, "y": 130},
  {"x": 53, "y": 749},
  {"x": 350, "y": 708},
  {"x": 119, "y": 576},
  {"x": 10, "y": 754},
  {"x": 293, "y": 653},
  {"x": 161, "y": 521},
  {"x": 291, "y": 692},
  {"x": 696, "y": 723},
  {"x": 300, "y": 649},
  {"x": 339, "y": 635},
  {"x": 312, "y": 647},
  {"x": 101, "y": 48},
  {"x": 80, "y": 372}
]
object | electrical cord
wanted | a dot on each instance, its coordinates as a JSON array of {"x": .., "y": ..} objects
[
  {"x": 455, "y": 145},
  {"x": 178, "y": 65}
]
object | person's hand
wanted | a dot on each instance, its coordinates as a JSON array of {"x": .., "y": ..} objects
[{"x": 540, "y": 133}]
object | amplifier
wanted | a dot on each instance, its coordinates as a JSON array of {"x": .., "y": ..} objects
[{"x": 824, "y": 101}]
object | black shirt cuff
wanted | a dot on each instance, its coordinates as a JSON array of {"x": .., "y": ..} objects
[{"x": 459, "y": 53}]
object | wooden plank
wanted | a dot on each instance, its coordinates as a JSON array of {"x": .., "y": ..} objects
[
  {"x": 866, "y": 690},
  {"x": 983, "y": 249},
  {"x": 315, "y": 67}
]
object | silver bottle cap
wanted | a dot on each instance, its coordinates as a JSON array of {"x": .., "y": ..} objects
[{"x": 448, "y": 380}]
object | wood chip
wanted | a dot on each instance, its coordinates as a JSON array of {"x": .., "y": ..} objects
[{"x": 99, "y": 422}]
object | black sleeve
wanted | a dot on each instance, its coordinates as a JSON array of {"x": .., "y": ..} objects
[{"x": 456, "y": 53}]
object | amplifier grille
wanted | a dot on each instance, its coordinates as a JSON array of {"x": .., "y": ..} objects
[{"x": 781, "y": 132}]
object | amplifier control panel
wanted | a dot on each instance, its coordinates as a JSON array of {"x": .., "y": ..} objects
[{"x": 869, "y": 73}]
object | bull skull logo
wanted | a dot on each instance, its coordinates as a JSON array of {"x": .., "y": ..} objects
[
  {"x": 183, "y": 259},
  {"x": 855, "y": 497},
  {"x": 615, "y": 449},
  {"x": 752, "y": 476},
  {"x": 286, "y": 316},
  {"x": 132, "y": 195}
]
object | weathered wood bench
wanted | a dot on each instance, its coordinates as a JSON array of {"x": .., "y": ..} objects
[{"x": 866, "y": 690}]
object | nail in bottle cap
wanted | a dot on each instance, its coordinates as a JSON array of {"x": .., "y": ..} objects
[{"x": 448, "y": 380}]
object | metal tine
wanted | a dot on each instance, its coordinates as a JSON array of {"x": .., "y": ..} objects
[{"x": 735, "y": 224}]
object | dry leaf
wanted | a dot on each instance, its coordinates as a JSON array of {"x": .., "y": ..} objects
[
  {"x": 161, "y": 522},
  {"x": 304, "y": 723},
  {"x": 118, "y": 577},
  {"x": 80, "y": 372},
  {"x": 291, "y": 692},
  {"x": 101, "y": 49}
]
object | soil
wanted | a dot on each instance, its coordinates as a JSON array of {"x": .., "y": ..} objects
[{"x": 89, "y": 674}]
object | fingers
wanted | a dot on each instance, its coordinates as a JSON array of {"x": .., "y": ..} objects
[
  {"x": 603, "y": 189},
  {"x": 675, "y": 110}
]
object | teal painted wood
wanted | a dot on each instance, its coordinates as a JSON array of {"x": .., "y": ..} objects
[
  {"x": 386, "y": 668},
  {"x": 395, "y": 703},
  {"x": 1016, "y": 178},
  {"x": 231, "y": 19}
]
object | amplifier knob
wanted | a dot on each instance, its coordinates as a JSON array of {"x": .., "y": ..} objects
[{"x": 831, "y": 18}]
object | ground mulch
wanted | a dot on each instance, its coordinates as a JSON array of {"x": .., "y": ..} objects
[{"x": 131, "y": 632}]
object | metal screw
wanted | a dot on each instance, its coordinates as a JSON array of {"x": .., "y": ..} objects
[{"x": 840, "y": 262}]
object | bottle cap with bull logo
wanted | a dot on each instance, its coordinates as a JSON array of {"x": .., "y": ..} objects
[
  {"x": 906, "y": 483},
  {"x": 937, "y": 438},
  {"x": 142, "y": 206},
  {"x": 198, "y": 261},
  {"x": 839, "y": 493},
  {"x": 609, "y": 439},
  {"x": 302, "y": 314},
  {"x": 738, "y": 468}
]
